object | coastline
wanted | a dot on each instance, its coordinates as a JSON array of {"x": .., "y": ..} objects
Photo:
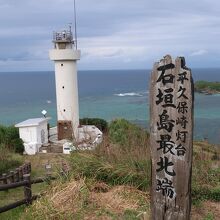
[
  {"x": 207, "y": 88},
  {"x": 208, "y": 92}
]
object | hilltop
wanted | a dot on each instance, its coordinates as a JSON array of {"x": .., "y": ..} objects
[{"x": 113, "y": 181}]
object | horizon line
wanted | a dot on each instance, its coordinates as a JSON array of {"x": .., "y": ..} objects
[{"x": 83, "y": 70}]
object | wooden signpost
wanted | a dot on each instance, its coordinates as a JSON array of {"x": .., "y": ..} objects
[{"x": 171, "y": 139}]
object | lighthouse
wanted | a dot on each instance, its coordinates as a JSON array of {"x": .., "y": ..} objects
[{"x": 65, "y": 56}]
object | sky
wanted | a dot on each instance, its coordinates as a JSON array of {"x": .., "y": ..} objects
[{"x": 112, "y": 34}]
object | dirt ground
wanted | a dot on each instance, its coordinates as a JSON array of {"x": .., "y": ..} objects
[{"x": 207, "y": 210}]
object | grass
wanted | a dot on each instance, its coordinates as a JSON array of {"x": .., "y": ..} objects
[
  {"x": 134, "y": 173},
  {"x": 10, "y": 145},
  {"x": 15, "y": 195},
  {"x": 78, "y": 200},
  {"x": 205, "y": 173},
  {"x": 38, "y": 170},
  {"x": 9, "y": 160},
  {"x": 14, "y": 214},
  {"x": 113, "y": 181},
  {"x": 209, "y": 216},
  {"x": 115, "y": 162}
]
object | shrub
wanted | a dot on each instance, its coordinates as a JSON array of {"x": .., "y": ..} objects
[
  {"x": 124, "y": 133},
  {"x": 17, "y": 145},
  {"x": 98, "y": 122},
  {"x": 9, "y": 137}
]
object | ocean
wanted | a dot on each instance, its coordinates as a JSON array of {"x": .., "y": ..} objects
[{"x": 107, "y": 94}]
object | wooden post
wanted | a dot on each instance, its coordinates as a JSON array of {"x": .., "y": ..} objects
[
  {"x": 20, "y": 173},
  {"x": 171, "y": 136},
  {"x": 65, "y": 168},
  {"x": 29, "y": 167},
  {"x": 4, "y": 175},
  {"x": 12, "y": 179},
  {"x": 25, "y": 169},
  {"x": 48, "y": 169},
  {"x": 27, "y": 189},
  {"x": 17, "y": 175}
]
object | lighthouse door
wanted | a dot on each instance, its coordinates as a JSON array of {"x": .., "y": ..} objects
[{"x": 65, "y": 130}]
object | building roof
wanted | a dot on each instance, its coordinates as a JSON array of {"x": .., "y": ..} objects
[{"x": 31, "y": 122}]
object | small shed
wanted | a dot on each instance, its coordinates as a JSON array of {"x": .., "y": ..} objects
[{"x": 34, "y": 133}]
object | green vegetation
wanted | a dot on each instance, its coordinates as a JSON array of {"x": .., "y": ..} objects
[
  {"x": 209, "y": 216},
  {"x": 205, "y": 173},
  {"x": 10, "y": 144},
  {"x": 98, "y": 122},
  {"x": 113, "y": 181},
  {"x": 9, "y": 160},
  {"x": 14, "y": 214},
  {"x": 127, "y": 135},
  {"x": 9, "y": 138},
  {"x": 122, "y": 158},
  {"x": 81, "y": 200},
  {"x": 207, "y": 87},
  {"x": 119, "y": 173},
  {"x": 38, "y": 170}
]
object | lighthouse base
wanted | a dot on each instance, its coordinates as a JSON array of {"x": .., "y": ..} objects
[
  {"x": 89, "y": 137},
  {"x": 65, "y": 130}
]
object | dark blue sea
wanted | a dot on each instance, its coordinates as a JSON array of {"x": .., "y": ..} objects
[{"x": 104, "y": 94}]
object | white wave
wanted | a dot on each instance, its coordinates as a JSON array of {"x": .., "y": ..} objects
[
  {"x": 147, "y": 92},
  {"x": 128, "y": 94}
]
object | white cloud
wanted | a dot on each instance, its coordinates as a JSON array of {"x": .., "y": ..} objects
[
  {"x": 199, "y": 53},
  {"x": 111, "y": 32}
]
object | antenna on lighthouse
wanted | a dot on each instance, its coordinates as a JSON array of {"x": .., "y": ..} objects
[{"x": 75, "y": 23}]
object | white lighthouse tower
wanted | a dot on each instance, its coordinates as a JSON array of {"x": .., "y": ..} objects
[{"x": 65, "y": 56}]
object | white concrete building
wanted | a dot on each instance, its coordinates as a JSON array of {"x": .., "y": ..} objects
[
  {"x": 65, "y": 56},
  {"x": 34, "y": 133}
]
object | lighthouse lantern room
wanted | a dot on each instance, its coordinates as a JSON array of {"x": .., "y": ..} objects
[{"x": 65, "y": 56}]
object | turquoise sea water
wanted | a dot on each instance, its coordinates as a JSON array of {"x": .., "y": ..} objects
[{"x": 105, "y": 94}]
